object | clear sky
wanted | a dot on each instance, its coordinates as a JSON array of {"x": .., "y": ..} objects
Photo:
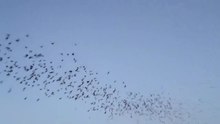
[{"x": 155, "y": 46}]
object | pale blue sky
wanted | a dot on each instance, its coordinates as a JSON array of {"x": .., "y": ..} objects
[{"x": 170, "y": 46}]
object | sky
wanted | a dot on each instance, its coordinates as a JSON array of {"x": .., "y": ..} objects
[{"x": 155, "y": 46}]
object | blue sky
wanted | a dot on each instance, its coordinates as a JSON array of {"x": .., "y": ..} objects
[{"x": 154, "y": 46}]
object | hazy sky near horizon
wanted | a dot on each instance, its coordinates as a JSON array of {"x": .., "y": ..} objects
[{"x": 155, "y": 46}]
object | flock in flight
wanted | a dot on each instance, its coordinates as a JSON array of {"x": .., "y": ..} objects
[{"x": 76, "y": 82}]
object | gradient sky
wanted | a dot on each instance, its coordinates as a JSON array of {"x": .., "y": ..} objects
[{"x": 155, "y": 46}]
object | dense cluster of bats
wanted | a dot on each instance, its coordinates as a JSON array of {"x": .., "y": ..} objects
[{"x": 76, "y": 83}]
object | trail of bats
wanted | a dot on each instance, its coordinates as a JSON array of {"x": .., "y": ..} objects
[{"x": 77, "y": 83}]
